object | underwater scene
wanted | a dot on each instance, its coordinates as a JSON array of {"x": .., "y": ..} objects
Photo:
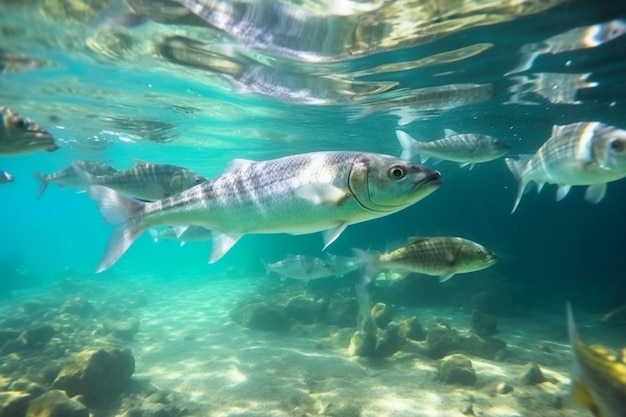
[{"x": 342, "y": 208}]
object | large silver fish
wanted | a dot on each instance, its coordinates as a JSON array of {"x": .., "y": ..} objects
[
  {"x": 301, "y": 267},
  {"x": 146, "y": 181},
  {"x": 298, "y": 194},
  {"x": 466, "y": 148},
  {"x": 440, "y": 256},
  {"x": 68, "y": 177},
  {"x": 598, "y": 375},
  {"x": 582, "y": 153},
  {"x": 5, "y": 177},
  {"x": 19, "y": 134}
]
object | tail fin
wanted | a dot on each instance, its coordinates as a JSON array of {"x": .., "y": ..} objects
[
  {"x": 43, "y": 183},
  {"x": 123, "y": 211},
  {"x": 516, "y": 166},
  {"x": 408, "y": 144},
  {"x": 371, "y": 266}
]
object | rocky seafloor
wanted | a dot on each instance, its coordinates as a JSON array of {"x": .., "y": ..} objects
[{"x": 264, "y": 347}]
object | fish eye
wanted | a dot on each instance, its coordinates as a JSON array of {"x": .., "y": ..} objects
[
  {"x": 397, "y": 172},
  {"x": 618, "y": 145},
  {"x": 20, "y": 123},
  {"x": 197, "y": 180}
]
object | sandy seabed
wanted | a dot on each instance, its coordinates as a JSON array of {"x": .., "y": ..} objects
[{"x": 188, "y": 344}]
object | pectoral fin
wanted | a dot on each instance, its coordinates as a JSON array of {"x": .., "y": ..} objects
[
  {"x": 330, "y": 235},
  {"x": 323, "y": 194},
  {"x": 222, "y": 242},
  {"x": 595, "y": 193},
  {"x": 444, "y": 278},
  {"x": 562, "y": 191},
  {"x": 179, "y": 230}
]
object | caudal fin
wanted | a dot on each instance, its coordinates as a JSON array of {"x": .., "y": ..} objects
[
  {"x": 43, "y": 183},
  {"x": 123, "y": 211},
  {"x": 517, "y": 166},
  {"x": 371, "y": 265}
]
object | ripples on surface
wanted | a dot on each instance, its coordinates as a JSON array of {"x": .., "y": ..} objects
[{"x": 230, "y": 75}]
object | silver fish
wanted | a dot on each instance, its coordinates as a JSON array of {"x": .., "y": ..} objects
[
  {"x": 598, "y": 375},
  {"x": 343, "y": 265},
  {"x": 298, "y": 194},
  {"x": 301, "y": 267},
  {"x": 189, "y": 234},
  {"x": 440, "y": 256},
  {"x": 585, "y": 153},
  {"x": 467, "y": 148},
  {"x": 19, "y": 134},
  {"x": 146, "y": 181},
  {"x": 68, "y": 177},
  {"x": 5, "y": 177}
]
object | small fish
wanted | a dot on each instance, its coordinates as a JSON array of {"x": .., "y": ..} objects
[
  {"x": 598, "y": 376},
  {"x": 189, "y": 234},
  {"x": 437, "y": 256},
  {"x": 584, "y": 153},
  {"x": 146, "y": 181},
  {"x": 467, "y": 149},
  {"x": 19, "y": 134},
  {"x": 302, "y": 267},
  {"x": 68, "y": 177},
  {"x": 298, "y": 194},
  {"x": 5, "y": 177}
]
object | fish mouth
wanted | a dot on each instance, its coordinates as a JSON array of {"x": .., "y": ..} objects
[{"x": 433, "y": 179}]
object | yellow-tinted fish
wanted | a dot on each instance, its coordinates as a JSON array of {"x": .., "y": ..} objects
[
  {"x": 598, "y": 376},
  {"x": 19, "y": 134}
]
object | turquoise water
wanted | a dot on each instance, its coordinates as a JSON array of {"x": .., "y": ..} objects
[{"x": 110, "y": 92}]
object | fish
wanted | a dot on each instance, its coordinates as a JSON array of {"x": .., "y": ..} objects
[
  {"x": 343, "y": 265},
  {"x": 297, "y": 194},
  {"x": 68, "y": 177},
  {"x": 147, "y": 181},
  {"x": 301, "y": 267},
  {"x": 20, "y": 135},
  {"x": 440, "y": 256},
  {"x": 583, "y": 153},
  {"x": 598, "y": 376},
  {"x": 467, "y": 148},
  {"x": 5, "y": 177},
  {"x": 190, "y": 234}
]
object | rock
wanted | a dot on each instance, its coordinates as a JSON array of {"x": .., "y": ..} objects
[
  {"x": 13, "y": 346},
  {"x": 484, "y": 324},
  {"x": 531, "y": 374},
  {"x": 381, "y": 315},
  {"x": 30, "y": 387},
  {"x": 441, "y": 340},
  {"x": 124, "y": 329},
  {"x": 411, "y": 329},
  {"x": 35, "y": 307},
  {"x": 503, "y": 388},
  {"x": 467, "y": 409},
  {"x": 389, "y": 341},
  {"x": 13, "y": 404},
  {"x": 342, "y": 410},
  {"x": 485, "y": 347},
  {"x": 37, "y": 336},
  {"x": 362, "y": 344},
  {"x": 305, "y": 309},
  {"x": 55, "y": 403},
  {"x": 342, "y": 312},
  {"x": 97, "y": 374},
  {"x": 456, "y": 369},
  {"x": 77, "y": 306},
  {"x": 261, "y": 316}
]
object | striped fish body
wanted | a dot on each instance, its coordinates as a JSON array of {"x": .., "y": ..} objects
[
  {"x": 438, "y": 256},
  {"x": 466, "y": 148},
  {"x": 149, "y": 182},
  {"x": 302, "y": 268},
  {"x": 306, "y": 193},
  {"x": 586, "y": 153},
  {"x": 598, "y": 376},
  {"x": 19, "y": 134}
]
